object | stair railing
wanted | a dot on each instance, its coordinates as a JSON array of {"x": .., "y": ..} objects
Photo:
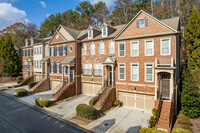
[
  {"x": 159, "y": 107},
  {"x": 100, "y": 90},
  {"x": 172, "y": 108},
  {"x": 58, "y": 87},
  {"x": 103, "y": 101}
]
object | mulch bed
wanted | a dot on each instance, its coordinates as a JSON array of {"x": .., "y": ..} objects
[{"x": 80, "y": 120}]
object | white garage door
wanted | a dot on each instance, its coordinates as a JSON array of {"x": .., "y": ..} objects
[
  {"x": 140, "y": 101},
  {"x": 90, "y": 89}
]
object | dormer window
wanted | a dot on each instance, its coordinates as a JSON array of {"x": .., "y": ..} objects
[
  {"x": 90, "y": 34},
  {"x": 32, "y": 41},
  {"x": 104, "y": 31},
  {"x": 26, "y": 42}
]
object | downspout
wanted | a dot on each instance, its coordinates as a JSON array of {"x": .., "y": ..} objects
[{"x": 76, "y": 67}]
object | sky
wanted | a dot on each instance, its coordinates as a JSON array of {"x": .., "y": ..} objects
[{"x": 35, "y": 11}]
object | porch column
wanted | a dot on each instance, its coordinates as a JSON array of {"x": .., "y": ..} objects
[
  {"x": 156, "y": 77},
  {"x": 46, "y": 69},
  {"x": 171, "y": 85},
  {"x": 28, "y": 69},
  {"x": 112, "y": 76},
  {"x": 62, "y": 73},
  {"x": 42, "y": 70},
  {"x": 68, "y": 74},
  {"x": 102, "y": 75}
]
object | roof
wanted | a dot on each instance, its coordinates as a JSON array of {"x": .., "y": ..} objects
[
  {"x": 16, "y": 48},
  {"x": 172, "y": 22},
  {"x": 74, "y": 33},
  {"x": 112, "y": 35},
  {"x": 68, "y": 60},
  {"x": 45, "y": 58},
  {"x": 109, "y": 60}
]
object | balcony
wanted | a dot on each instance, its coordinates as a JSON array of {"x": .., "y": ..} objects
[{"x": 164, "y": 62}]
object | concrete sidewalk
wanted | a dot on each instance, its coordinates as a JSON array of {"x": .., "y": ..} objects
[
  {"x": 4, "y": 85},
  {"x": 120, "y": 120}
]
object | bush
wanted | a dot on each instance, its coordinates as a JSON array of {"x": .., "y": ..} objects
[
  {"x": 93, "y": 101},
  {"x": 180, "y": 130},
  {"x": 21, "y": 92},
  {"x": 117, "y": 103},
  {"x": 152, "y": 121},
  {"x": 19, "y": 79},
  {"x": 150, "y": 130},
  {"x": 86, "y": 111},
  {"x": 42, "y": 102},
  {"x": 182, "y": 119},
  {"x": 31, "y": 85}
]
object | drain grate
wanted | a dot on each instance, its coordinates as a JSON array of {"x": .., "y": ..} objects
[{"x": 106, "y": 124}]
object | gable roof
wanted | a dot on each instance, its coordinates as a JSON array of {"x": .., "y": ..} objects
[
  {"x": 172, "y": 22},
  {"x": 159, "y": 21},
  {"x": 74, "y": 33}
]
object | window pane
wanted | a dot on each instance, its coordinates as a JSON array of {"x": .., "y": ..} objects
[
  {"x": 149, "y": 48},
  {"x": 165, "y": 47},
  {"x": 135, "y": 49},
  {"x": 121, "y": 50},
  {"x": 149, "y": 72},
  {"x": 142, "y": 22},
  {"x": 122, "y": 71},
  {"x": 112, "y": 47}
]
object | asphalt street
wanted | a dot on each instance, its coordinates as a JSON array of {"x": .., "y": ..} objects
[{"x": 16, "y": 117}]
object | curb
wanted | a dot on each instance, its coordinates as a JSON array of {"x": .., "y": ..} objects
[{"x": 44, "y": 111}]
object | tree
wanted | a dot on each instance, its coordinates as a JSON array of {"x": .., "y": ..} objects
[
  {"x": 12, "y": 65},
  {"x": 192, "y": 38},
  {"x": 1, "y": 60}
]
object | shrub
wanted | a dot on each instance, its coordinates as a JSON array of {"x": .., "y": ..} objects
[
  {"x": 93, "y": 101},
  {"x": 117, "y": 103},
  {"x": 152, "y": 121},
  {"x": 42, "y": 102},
  {"x": 31, "y": 85},
  {"x": 180, "y": 130},
  {"x": 182, "y": 119},
  {"x": 86, "y": 111},
  {"x": 9, "y": 87},
  {"x": 150, "y": 130},
  {"x": 21, "y": 92},
  {"x": 19, "y": 79}
]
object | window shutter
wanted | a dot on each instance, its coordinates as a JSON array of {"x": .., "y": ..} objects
[
  {"x": 50, "y": 51},
  {"x": 61, "y": 51},
  {"x": 146, "y": 22},
  {"x": 31, "y": 52},
  {"x": 66, "y": 50},
  {"x": 137, "y": 24},
  {"x": 55, "y": 67},
  {"x": 60, "y": 68},
  {"x": 55, "y": 51}
]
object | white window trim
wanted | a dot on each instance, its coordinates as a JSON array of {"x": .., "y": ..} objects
[
  {"x": 132, "y": 48},
  {"x": 85, "y": 49},
  {"x": 152, "y": 70},
  {"x": 152, "y": 47},
  {"x": 124, "y": 71},
  {"x": 52, "y": 67},
  {"x": 124, "y": 49},
  {"x": 110, "y": 47},
  {"x": 89, "y": 34},
  {"x": 103, "y": 52},
  {"x": 106, "y": 32},
  {"x": 161, "y": 46},
  {"x": 138, "y": 71}
]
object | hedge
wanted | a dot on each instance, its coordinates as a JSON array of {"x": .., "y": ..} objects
[
  {"x": 31, "y": 85},
  {"x": 86, "y": 111},
  {"x": 21, "y": 92},
  {"x": 42, "y": 102},
  {"x": 19, "y": 79},
  {"x": 152, "y": 121},
  {"x": 180, "y": 130},
  {"x": 150, "y": 130}
]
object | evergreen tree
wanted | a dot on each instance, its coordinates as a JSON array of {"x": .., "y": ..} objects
[
  {"x": 1, "y": 60},
  {"x": 192, "y": 38},
  {"x": 11, "y": 58}
]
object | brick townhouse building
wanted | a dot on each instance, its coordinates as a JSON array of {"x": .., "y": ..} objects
[{"x": 138, "y": 61}]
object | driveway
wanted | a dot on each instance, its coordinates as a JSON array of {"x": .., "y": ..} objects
[
  {"x": 67, "y": 109},
  {"x": 120, "y": 120},
  {"x": 16, "y": 117},
  {"x": 4, "y": 85},
  {"x": 12, "y": 91}
]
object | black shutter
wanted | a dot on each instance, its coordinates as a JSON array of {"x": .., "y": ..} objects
[
  {"x": 146, "y": 22},
  {"x": 55, "y": 51},
  {"x": 50, "y": 51},
  {"x": 137, "y": 24},
  {"x": 66, "y": 50},
  {"x": 60, "y": 68},
  {"x": 55, "y": 67},
  {"x": 31, "y": 52},
  {"x": 28, "y": 52},
  {"x": 61, "y": 51}
]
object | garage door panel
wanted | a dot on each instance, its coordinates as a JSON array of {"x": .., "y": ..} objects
[
  {"x": 149, "y": 102},
  {"x": 131, "y": 100},
  {"x": 122, "y": 98}
]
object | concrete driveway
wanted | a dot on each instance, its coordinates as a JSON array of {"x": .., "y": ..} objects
[
  {"x": 4, "y": 85},
  {"x": 67, "y": 109},
  {"x": 120, "y": 120}
]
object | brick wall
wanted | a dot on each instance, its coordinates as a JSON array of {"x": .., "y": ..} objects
[{"x": 42, "y": 86}]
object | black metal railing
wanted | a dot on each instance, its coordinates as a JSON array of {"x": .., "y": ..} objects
[
  {"x": 159, "y": 106},
  {"x": 172, "y": 108}
]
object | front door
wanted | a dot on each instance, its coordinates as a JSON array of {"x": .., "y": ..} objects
[
  {"x": 165, "y": 84},
  {"x": 109, "y": 77},
  {"x": 71, "y": 75}
]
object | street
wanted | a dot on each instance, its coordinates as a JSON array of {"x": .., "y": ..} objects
[{"x": 16, "y": 117}]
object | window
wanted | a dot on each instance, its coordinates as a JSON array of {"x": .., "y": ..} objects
[
  {"x": 84, "y": 49},
  {"x": 52, "y": 51},
  {"x": 40, "y": 64},
  {"x": 84, "y": 69},
  {"x": 40, "y": 50},
  {"x": 104, "y": 31},
  {"x": 98, "y": 69},
  {"x": 134, "y": 49},
  {"x": 34, "y": 50},
  {"x": 24, "y": 52},
  {"x": 92, "y": 49},
  {"x": 134, "y": 72},
  {"x": 71, "y": 49},
  {"x": 58, "y": 67},
  {"x": 34, "y": 64},
  {"x": 65, "y": 50},
  {"x": 25, "y": 64},
  {"x": 165, "y": 47},
  {"x": 90, "y": 32},
  {"x": 149, "y": 48},
  {"x": 101, "y": 48},
  {"x": 52, "y": 67},
  {"x": 65, "y": 69},
  {"x": 31, "y": 52},
  {"x": 142, "y": 23},
  {"x": 121, "y": 49},
  {"x": 58, "y": 51},
  {"x": 121, "y": 71},
  {"x": 149, "y": 72},
  {"x": 87, "y": 69},
  {"x": 112, "y": 48},
  {"x": 37, "y": 52}
]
